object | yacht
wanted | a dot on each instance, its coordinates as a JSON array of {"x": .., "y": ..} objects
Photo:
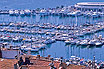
[
  {"x": 27, "y": 12},
  {"x": 88, "y": 14},
  {"x": 73, "y": 42},
  {"x": 84, "y": 42},
  {"x": 7, "y": 38},
  {"x": 92, "y": 42},
  {"x": 75, "y": 13},
  {"x": 16, "y": 12},
  {"x": 98, "y": 43},
  {"x": 95, "y": 14},
  {"x": 27, "y": 40},
  {"x": 30, "y": 49},
  {"x": 22, "y": 13},
  {"x": 11, "y": 12},
  {"x": 42, "y": 12},
  {"x": 68, "y": 41}
]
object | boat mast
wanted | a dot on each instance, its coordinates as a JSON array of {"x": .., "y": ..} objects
[
  {"x": 76, "y": 20},
  {"x": 31, "y": 30}
]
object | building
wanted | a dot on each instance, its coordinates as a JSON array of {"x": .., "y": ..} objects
[
  {"x": 38, "y": 62},
  {"x": 9, "y": 54},
  {"x": 90, "y": 6}
]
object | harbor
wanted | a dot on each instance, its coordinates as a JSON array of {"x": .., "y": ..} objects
[
  {"x": 43, "y": 35},
  {"x": 73, "y": 34}
]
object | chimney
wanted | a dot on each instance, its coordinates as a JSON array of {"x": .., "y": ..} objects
[
  {"x": 38, "y": 57},
  {"x": 49, "y": 56},
  {"x": 61, "y": 60}
]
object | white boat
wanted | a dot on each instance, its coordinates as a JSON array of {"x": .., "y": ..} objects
[
  {"x": 43, "y": 12},
  {"x": 78, "y": 42},
  {"x": 95, "y": 14},
  {"x": 68, "y": 41},
  {"x": 88, "y": 14},
  {"x": 17, "y": 39},
  {"x": 92, "y": 42},
  {"x": 76, "y": 13},
  {"x": 22, "y": 47},
  {"x": 27, "y": 40},
  {"x": 11, "y": 12},
  {"x": 84, "y": 42},
  {"x": 27, "y": 12},
  {"x": 30, "y": 49},
  {"x": 6, "y": 39},
  {"x": 22, "y": 13},
  {"x": 16, "y": 12},
  {"x": 98, "y": 43},
  {"x": 73, "y": 42}
]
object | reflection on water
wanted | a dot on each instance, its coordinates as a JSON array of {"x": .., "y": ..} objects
[
  {"x": 59, "y": 49},
  {"x": 87, "y": 52}
]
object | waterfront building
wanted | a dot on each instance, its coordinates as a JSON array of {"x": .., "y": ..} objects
[{"x": 90, "y": 6}]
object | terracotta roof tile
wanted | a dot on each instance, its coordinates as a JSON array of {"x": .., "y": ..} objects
[
  {"x": 43, "y": 63},
  {"x": 36, "y": 67},
  {"x": 7, "y": 63},
  {"x": 75, "y": 67}
]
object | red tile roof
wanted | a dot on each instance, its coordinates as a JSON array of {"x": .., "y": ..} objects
[
  {"x": 37, "y": 67},
  {"x": 43, "y": 63},
  {"x": 7, "y": 63},
  {"x": 76, "y": 67}
]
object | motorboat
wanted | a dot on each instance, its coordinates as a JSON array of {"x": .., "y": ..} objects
[
  {"x": 68, "y": 41},
  {"x": 84, "y": 42},
  {"x": 30, "y": 49},
  {"x": 11, "y": 12},
  {"x": 27, "y": 12},
  {"x": 98, "y": 43},
  {"x": 16, "y": 12},
  {"x": 75, "y": 13},
  {"x": 92, "y": 42},
  {"x": 95, "y": 14},
  {"x": 22, "y": 13}
]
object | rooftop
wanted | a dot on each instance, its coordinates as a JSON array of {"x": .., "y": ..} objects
[
  {"x": 7, "y": 63},
  {"x": 91, "y": 3},
  {"x": 43, "y": 63}
]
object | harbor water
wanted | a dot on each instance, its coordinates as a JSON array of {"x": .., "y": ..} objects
[{"x": 59, "y": 48}]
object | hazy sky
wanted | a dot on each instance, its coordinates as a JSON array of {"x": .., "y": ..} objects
[{"x": 23, "y": 4}]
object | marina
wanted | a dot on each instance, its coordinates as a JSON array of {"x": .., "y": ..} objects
[
  {"x": 39, "y": 37},
  {"x": 75, "y": 33}
]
